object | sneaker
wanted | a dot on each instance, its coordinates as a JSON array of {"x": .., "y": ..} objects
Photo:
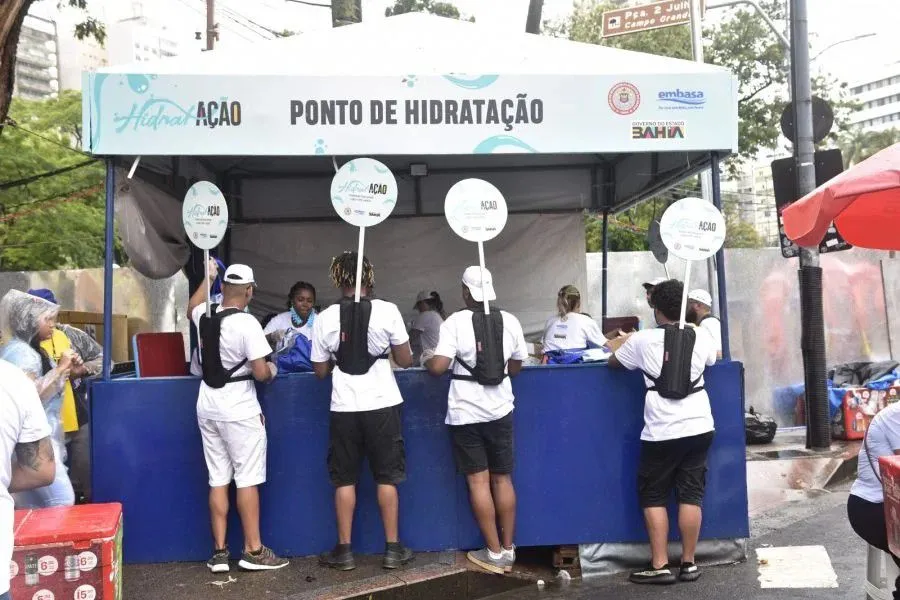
[
  {"x": 262, "y": 560},
  {"x": 510, "y": 555},
  {"x": 396, "y": 555},
  {"x": 488, "y": 561},
  {"x": 219, "y": 561},
  {"x": 689, "y": 572},
  {"x": 660, "y": 576},
  {"x": 340, "y": 557}
]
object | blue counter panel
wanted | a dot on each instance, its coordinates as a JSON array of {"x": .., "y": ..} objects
[{"x": 577, "y": 446}]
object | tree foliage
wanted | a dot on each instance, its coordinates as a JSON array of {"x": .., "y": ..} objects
[
  {"x": 12, "y": 14},
  {"x": 56, "y": 221},
  {"x": 858, "y": 144},
  {"x": 441, "y": 9}
]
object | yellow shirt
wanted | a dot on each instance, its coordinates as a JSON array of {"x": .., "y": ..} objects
[{"x": 55, "y": 346}]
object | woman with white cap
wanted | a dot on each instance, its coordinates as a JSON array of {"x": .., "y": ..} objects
[
  {"x": 426, "y": 327},
  {"x": 570, "y": 329}
]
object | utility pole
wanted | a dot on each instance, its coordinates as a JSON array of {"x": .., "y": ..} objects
[
  {"x": 705, "y": 179},
  {"x": 812, "y": 343},
  {"x": 533, "y": 21},
  {"x": 211, "y": 24}
]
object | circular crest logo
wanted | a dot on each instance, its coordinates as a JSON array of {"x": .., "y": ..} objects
[
  {"x": 347, "y": 211},
  {"x": 624, "y": 98}
]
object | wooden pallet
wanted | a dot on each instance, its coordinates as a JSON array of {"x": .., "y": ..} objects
[{"x": 566, "y": 557}]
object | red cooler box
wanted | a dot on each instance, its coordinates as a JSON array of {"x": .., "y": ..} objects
[
  {"x": 890, "y": 479},
  {"x": 68, "y": 553}
]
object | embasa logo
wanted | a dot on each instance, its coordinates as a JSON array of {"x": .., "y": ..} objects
[
  {"x": 681, "y": 99},
  {"x": 161, "y": 113}
]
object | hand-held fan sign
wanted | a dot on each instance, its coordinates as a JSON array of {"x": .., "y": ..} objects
[
  {"x": 363, "y": 193},
  {"x": 692, "y": 229},
  {"x": 476, "y": 212},
  {"x": 204, "y": 214}
]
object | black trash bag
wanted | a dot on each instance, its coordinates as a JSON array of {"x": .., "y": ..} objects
[
  {"x": 860, "y": 373},
  {"x": 760, "y": 429}
]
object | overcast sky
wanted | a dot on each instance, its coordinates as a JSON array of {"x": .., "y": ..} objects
[{"x": 830, "y": 21}]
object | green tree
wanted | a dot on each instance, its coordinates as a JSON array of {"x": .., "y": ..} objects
[
  {"x": 441, "y": 9},
  {"x": 49, "y": 221},
  {"x": 12, "y": 14},
  {"x": 858, "y": 144}
]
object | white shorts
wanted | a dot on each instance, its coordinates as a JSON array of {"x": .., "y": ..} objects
[{"x": 234, "y": 450}]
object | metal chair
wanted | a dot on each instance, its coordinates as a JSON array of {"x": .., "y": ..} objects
[{"x": 881, "y": 573}]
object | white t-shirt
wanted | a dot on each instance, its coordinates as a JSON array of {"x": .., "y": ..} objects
[
  {"x": 22, "y": 420},
  {"x": 575, "y": 332},
  {"x": 883, "y": 439},
  {"x": 242, "y": 337},
  {"x": 429, "y": 323},
  {"x": 666, "y": 419},
  {"x": 714, "y": 326},
  {"x": 283, "y": 322},
  {"x": 468, "y": 401},
  {"x": 369, "y": 391}
]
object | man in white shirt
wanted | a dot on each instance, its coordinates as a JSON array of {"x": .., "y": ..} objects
[
  {"x": 676, "y": 437},
  {"x": 233, "y": 351},
  {"x": 26, "y": 453},
  {"x": 699, "y": 312},
  {"x": 481, "y": 416},
  {"x": 353, "y": 340},
  {"x": 649, "y": 285}
]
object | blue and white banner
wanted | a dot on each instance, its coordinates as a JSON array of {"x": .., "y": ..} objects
[{"x": 131, "y": 114}]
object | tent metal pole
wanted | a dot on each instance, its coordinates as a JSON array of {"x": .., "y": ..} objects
[
  {"x": 109, "y": 249},
  {"x": 603, "y": 283},
  {"x": 720, "y": 261}
]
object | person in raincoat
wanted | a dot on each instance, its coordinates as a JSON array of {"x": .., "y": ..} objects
[{"x": 25, "y": 322}]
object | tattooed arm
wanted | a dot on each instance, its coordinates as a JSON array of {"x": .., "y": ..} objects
[{"x": 34, "y": 466}]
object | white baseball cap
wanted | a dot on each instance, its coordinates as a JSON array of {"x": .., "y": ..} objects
[
  {"x": 480, "y": 291},
  {"x": 239, "y": 275},
  {"x": 653, "y": 282},
  {"x": 701, "y": 296}
]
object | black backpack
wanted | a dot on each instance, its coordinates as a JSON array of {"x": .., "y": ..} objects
[
  {"x": 674, "y": 381},
  {"x": 490, "y": 365},
  {"x": 214, "y": 374},
  {"x": 352, "y": 355}
]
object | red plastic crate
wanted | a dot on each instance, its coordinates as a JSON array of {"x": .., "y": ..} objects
[
  {"x": 858, "y": 407},
  {"x": 890, "y": 478},
  {"x": 68, "y": 553}
]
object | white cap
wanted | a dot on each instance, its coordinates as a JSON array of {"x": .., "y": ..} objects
[
  {"x": 701, "y": 296},
  {"x": 239, "y": 275},
  {"x": 472, "y": 280},
  {"x": 653, "y": 282},
  {"x": 423, "y": 295}
]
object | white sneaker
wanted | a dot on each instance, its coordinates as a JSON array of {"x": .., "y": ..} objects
[{"x": 510, "y": 555}]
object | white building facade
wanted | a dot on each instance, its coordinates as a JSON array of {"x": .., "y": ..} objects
[
  {"x": 879, "y": 95},
  {"x": 37, "y": 60}
]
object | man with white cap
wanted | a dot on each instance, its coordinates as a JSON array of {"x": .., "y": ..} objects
[
  {"x": 482, "y": 352},
  {"x": 233, "y": 351},
  {"x": 699, "y": 312}
]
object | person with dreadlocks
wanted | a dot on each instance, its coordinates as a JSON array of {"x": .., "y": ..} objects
[
  {"x": 25, "y": 322},
  {"x": 354, "y": 340}
]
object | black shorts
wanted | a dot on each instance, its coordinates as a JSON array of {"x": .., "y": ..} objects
[
  {"x": 678, "y": 464},
  {"x": 481, "y": 447},
  {"x": 375, "y": 435}
]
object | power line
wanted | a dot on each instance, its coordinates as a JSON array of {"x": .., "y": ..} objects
[
  {"x": 309, "y": 3},
  {"x": 33, "y": 178},
  {"x": 14, "y": 124}
]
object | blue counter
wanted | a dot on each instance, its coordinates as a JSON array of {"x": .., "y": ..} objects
[{"x": 577, "y": 444}]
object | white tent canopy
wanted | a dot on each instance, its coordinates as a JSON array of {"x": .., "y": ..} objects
[{"x": 559, "y": 127}]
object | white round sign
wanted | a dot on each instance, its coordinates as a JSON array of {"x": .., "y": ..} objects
[
  {"x": 475, "y": 210},
  {"x": 692, "y": 229},
  {"x": 205, "y": 215},
  {"x": 364, "y": 192}
]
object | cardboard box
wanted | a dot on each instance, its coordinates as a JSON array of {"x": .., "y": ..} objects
[
  {"x": 68, "y": 552},
  {"x": 92, "y": 324},
  {"x": 858, "y": 407},
  {"x": 890, "y": 479}
]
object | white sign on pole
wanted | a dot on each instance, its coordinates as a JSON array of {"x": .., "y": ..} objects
[
  {"x": 204, "y": 214},
  {"x": 476, "y": 212},
  {"x": 363, "y": 193},
  {"x": 692, "y": 229}
]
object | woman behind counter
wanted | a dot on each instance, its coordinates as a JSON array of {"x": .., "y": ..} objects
[
  {"x": 570, "y": 330},
  {"x": 300, "y": 314},
  {"x": 25, "y": 322},
  {"x": 426, "y": 327}
]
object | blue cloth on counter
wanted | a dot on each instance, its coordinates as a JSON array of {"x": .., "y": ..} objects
[{"x": 297, "y": 358}]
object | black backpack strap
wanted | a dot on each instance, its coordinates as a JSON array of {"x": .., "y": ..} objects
[{"x": 467, "y": 367}]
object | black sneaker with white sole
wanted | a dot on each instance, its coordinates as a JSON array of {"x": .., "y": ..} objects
[
  {"x": 219, "y": 561},
  {"x": 651, "y": 575},
  {"x": 689, "y": 572},
  {"x": 262, "y": 560}
]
